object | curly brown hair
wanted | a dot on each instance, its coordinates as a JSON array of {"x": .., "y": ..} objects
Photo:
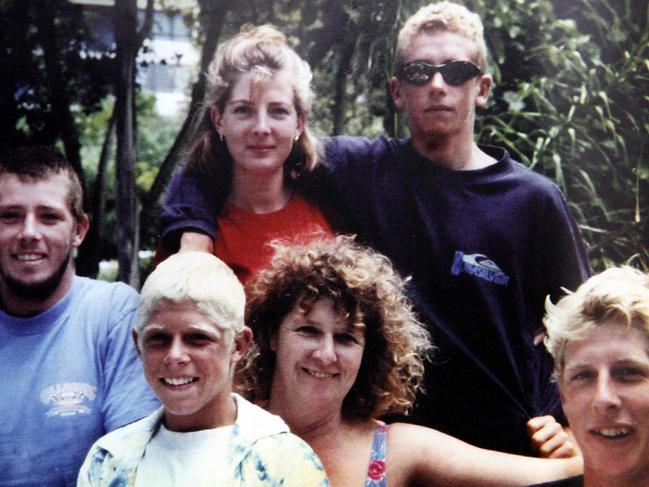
[{"x": 364, "y": 285}]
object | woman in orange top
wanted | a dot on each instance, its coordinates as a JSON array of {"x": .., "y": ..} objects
[{"x": 253, "y": 149}]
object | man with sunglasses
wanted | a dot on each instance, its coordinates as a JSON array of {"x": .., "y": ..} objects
[{"x": 484, "y": 238}]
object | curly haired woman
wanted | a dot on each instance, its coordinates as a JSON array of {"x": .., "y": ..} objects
[{"x": 337, "y": 344}]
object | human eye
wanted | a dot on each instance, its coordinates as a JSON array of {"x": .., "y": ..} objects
[
  {"x": 629, "y": 373},
  {"x": 9, "y": 215},
  {"x": 308, "y": 330},
  {"x": 347, "y": 339},
  {"x": 156, "y": 339},
  {"x": 581, "y": 376},
  {"x": 51, "y": 217},
  {"x": 198, "y": 338},
  {"x": 241, "y": 109},
  {"x": 280, "y": 111}
]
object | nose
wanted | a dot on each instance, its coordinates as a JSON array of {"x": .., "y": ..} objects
[
  {"x": 30, "y": 230},
  {"x": 437, "y": 81},
  {"x": 261, "y": 123},
  {"x": 176, "y": 354},
  {"x": 606, "y": 396},
  {"x": 326, "y": 350}
]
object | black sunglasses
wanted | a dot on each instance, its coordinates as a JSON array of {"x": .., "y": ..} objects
[{"x": 454, "y": 72}]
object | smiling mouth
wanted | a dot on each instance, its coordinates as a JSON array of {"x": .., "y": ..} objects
[
  {"x": 319, "y": 375},
  {"x": 28, "y": 257},
  {"x": 612, "y": 433},
  {"x": 180, "y": 381}
]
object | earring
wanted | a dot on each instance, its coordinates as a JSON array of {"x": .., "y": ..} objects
[
  {"x": 297, "y": 137},
  {"x": 220, "y": 136}
]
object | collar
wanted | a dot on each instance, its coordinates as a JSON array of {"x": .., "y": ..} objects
[{"x": 127, "y": 444}]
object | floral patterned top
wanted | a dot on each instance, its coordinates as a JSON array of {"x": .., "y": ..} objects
[
  {"x": 262, "y": 453},
  {"x": 376, "y": 471}
]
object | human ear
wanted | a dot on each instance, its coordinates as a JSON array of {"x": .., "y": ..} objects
[
  {"x": 137, "y": 345},
  {"x": 301, "y": 123},
  {"x": 216, "y": 116},
  {"x": 484, "y": 87},
  {"x": 395, "y": 91},
  {"x": 242, "y": 341},
  {"x": 80, "y": 231}
]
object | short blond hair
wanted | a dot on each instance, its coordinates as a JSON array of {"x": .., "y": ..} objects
[
  {"x": 443, "y": 16},
  {"x": 199, "y": 279},
  {"x": 618, "y": 293}
]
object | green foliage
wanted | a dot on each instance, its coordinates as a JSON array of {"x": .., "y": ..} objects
[
  {"x": 570, "y": 99},
  {"x": 571, "y": 103},
  {"x": 155, "y": 135},
  {"x": 26, "y": 98}
]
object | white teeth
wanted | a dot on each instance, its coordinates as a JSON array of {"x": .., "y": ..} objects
[
  {"x": 177, "y": 382},
  {"x": 28, "y": 257},
  {"x": 614, "y": 432},
  {"x": 319, "y": 375}
]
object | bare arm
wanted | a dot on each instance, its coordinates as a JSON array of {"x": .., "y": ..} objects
[{"x": 423, "y": 456}]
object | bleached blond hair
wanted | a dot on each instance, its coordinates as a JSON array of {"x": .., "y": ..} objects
[
  {"x": 619, "y": 294},
  {"x": 198, "y": 279},
  {"x": 443, "y": 17}
]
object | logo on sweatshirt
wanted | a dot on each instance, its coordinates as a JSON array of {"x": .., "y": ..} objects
[
  {"x": 480, "y": 266},
  {"x": 68, "y": 399}
]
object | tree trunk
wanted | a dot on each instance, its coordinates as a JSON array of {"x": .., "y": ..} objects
[
  {"x": 125, "y": 19},
  {"x": 88, "y": 261},
  {"x": 58, "y": 95},
  {"x": 324, "y": 39},
  {"x": 342, "y": 72},
  {"x": 212, "y": 19}
]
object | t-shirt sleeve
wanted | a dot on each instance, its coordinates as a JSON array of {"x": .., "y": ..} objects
[
  {"x": 188, "y": 205},
  {"x": 563, "y": 264},
  {"x": 127, "y": 395},
  {"x": 564, "y": 258}
]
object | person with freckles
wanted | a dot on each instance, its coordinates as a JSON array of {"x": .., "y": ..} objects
[
  {"x": 599, "y": 338},
  {"x": 190, "y": 335}
]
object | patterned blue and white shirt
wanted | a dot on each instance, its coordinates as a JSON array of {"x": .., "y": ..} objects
[{"x": 261, "y": 452}]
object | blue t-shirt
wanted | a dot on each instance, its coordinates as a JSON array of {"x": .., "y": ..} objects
[{"x": 70, "y": 375}]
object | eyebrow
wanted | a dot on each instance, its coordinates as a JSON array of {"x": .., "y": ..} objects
[
  {"x": 239, "y": 100},
  {"x": 200, "y": 327},
  {"x": 621, "y": 361},
  {"x": 249, "y": 102}
]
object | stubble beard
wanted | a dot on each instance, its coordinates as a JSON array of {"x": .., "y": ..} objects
[{"x": 35, "y": 291}]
